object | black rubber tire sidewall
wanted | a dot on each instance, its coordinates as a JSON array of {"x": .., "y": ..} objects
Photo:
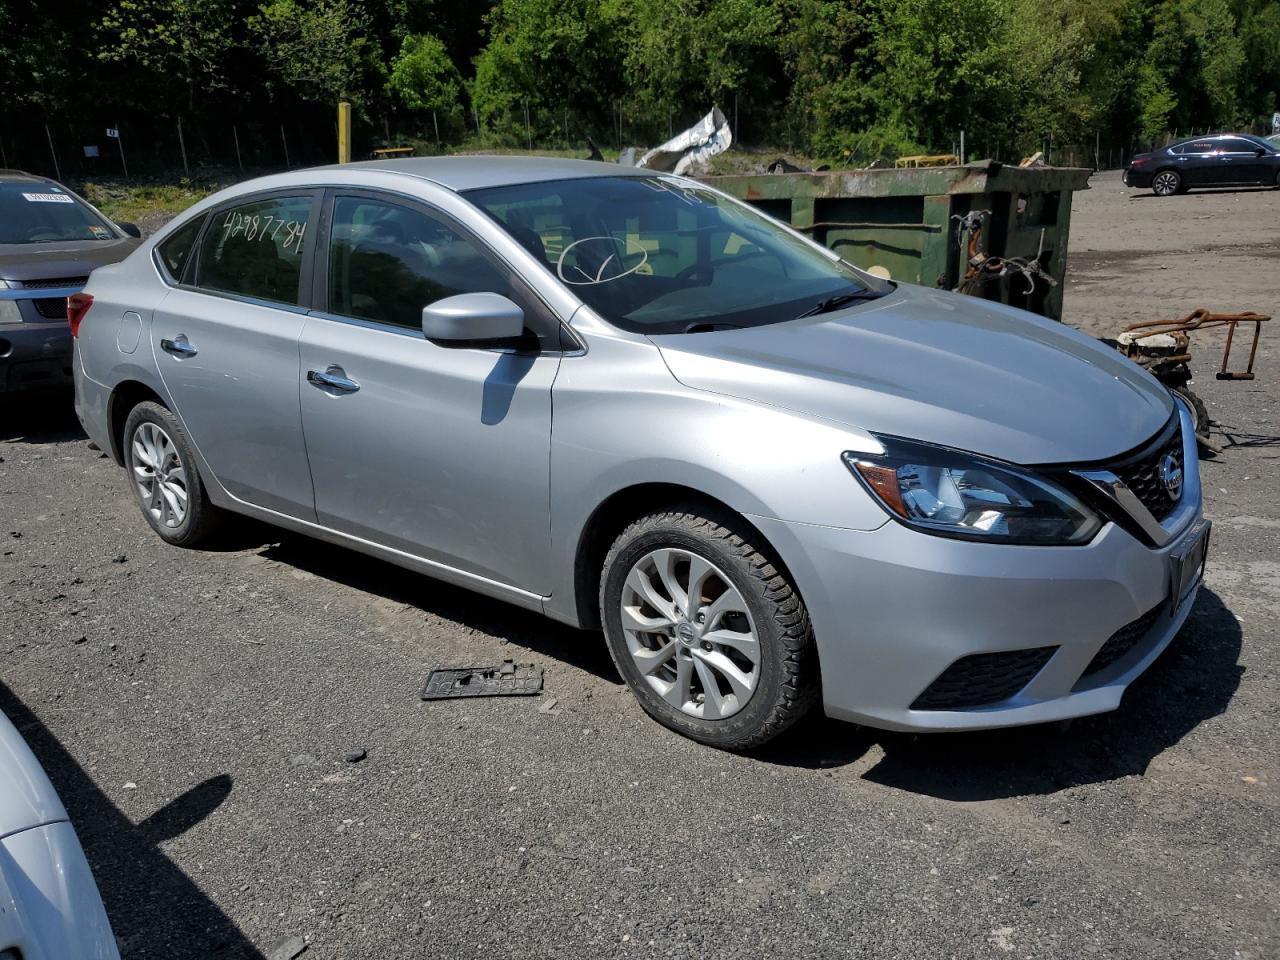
[
  {"x": 202, "y": 516},
  {"x": 772, "y": 707}
]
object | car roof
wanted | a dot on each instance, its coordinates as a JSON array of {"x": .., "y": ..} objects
[
  {"x": 461, "y": 173},
  {"x": 21, "y": 176},
  {"x": 1216, "y": 136}
]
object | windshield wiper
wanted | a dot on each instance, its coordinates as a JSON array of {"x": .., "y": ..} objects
[
  {"x": 836, "y": 302},
  {"x": 708, "y": 326}
]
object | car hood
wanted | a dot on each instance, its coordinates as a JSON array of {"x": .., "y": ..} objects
[
  {"x": 65, "y": 258},
  {"x": 941, "y": 368},
  {"x": 27, "y": 798}
]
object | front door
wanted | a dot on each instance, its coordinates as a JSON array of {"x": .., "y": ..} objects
[
  {"x": 440, "y": 452},
  {"x": 1246, "y": 166},
  {"x": 227, "y": 350}
]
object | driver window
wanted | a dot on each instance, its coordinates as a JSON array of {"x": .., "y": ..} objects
[
  {"x": 387, "y": 262},
  {"x": 1237, "y": 145}
]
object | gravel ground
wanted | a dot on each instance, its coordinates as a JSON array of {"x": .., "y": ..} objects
[{"x": 194, "y": 710}]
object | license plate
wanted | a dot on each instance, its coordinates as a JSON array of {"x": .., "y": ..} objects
[{"x": 1189, "y": 562}]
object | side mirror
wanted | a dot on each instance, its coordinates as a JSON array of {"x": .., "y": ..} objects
[
  {"x": 471, "y": 318},
  {"x": 1260, "y": 152},
  {"x": 130, "y": 228}
]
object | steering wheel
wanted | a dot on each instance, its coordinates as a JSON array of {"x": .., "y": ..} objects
[{"x": 43, "y": 235}]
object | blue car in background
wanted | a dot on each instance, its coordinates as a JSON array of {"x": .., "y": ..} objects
[{"x": 50, "y": 240}]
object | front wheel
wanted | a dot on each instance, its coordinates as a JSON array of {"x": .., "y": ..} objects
[
  {"x": 1166, "y": 183},
  {"x": 163, "y": 475},
  {"x": 706, "y": 629}
]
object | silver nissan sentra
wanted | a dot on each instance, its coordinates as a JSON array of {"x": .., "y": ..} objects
[{"x": 630, "y": 402}]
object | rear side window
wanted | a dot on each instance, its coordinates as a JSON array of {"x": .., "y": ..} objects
[
  {"x": 175, "y": 252},
  {"x": 255, "y": 250}
]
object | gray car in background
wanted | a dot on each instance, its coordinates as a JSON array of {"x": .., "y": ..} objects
[
  {"x": 50, "y": 240},
  {"x": 629, "y": 402}
]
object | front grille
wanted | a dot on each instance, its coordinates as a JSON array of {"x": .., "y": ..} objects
[
  {"x": 52, "y": 308},
  {"x": 1142, "y": 476},
  {"x": 982, "y": 679},
  {"x": 1121, "y": 642},
  {"x": 54, "y": 282}
]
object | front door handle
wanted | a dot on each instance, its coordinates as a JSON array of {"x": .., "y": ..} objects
[
  {"x": 179, "y": 346},
  {"x": 334, "y": 378}
]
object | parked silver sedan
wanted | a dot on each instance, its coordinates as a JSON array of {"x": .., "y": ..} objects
[{"x": 629, "y": 402}]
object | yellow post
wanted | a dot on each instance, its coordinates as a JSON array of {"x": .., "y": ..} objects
[{"x": 344, "y": 132}]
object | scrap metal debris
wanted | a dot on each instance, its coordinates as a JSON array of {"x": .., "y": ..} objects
[
  {"x": 509, "y": 679},
  {"x": 982, "y": 268},
  {"x": 1163, "y": 347},
  {"x": 692, "y": 148}
]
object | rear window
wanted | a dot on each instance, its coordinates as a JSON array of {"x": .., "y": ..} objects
[
  {"x": 255, "y": 249},
  {"x": 45, "y": 213},
  {"x": 175, "y": 251}
]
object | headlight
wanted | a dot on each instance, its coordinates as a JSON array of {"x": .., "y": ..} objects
[{"x": 956, "y": 494}]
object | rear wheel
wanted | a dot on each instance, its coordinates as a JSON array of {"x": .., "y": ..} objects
[
  {"x": 1166, "y": 183},
  {"x": 707, "y": 631},
  {"x": 164, "y": 478}
]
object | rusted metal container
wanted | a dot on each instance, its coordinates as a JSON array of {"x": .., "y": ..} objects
[{"x": 909, "y": 222}]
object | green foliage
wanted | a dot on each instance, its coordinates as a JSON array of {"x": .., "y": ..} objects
[
  {"x": 842, "y": 80},
  {"x": 314, "y": 51},
  {"x": 547, "y": 55},
  {"x": 681, "y": 58},
  {"x": 423, "y": 76},
  {"x": 186, "y": 39}
]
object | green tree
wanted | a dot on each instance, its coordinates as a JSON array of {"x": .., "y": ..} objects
[
  {"x": 423, "y": 78},
  {"x": 316, "y": 53},
  {"x": 183, "y": 39},
  {"x": 550, "y": 56},
  {"x": 684, "y": 56}
]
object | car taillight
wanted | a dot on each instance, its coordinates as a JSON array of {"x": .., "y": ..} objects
[
  {"x": 1139, "y": 161},
  {"x": 78, "y": 305}
]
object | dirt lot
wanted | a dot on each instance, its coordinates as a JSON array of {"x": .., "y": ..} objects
[{"x": 194, "y": 709}]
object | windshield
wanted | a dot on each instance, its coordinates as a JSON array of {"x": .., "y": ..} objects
[
  {"x": 666, "y": 255},
  {"x": 45, "y": 213}
]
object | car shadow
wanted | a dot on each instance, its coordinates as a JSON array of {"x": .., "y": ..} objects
[
  {"x": 579, "y": 648},
  {"x": 153, "y": 906},
  {"x": 1251, "y": 188},
  {"x": 1191, "y": 682},
  {"x": 39, "y": 416}
]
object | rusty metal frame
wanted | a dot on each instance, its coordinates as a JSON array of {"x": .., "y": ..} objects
[{"x": 1202, "y": 319}]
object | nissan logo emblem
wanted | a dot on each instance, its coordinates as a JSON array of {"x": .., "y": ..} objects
[{"x": 1171, "y": 476}]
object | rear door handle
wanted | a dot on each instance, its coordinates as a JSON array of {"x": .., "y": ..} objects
[
  {"x": 179, "y": 346},
  {"x": 333, "y": 378}
]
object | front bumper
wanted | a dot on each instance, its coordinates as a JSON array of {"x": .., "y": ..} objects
[
  {"x": 50, "y": 908},
  {"x": 893, "y": 609}
]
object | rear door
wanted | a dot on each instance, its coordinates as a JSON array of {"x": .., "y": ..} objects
[
  {"x": 441, "y": 452},
  {"x": 1201, "y": 163},
  {"x": 226, "y": 345}
]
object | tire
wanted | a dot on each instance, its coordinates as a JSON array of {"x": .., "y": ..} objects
[
  {"x": 734, "y": 569},
  {"x": 1166, "y": 183},
  {"x": 155, "y": 443}
]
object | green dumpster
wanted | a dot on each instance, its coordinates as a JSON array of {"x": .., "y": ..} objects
[{"x": 910, "y": 222}]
